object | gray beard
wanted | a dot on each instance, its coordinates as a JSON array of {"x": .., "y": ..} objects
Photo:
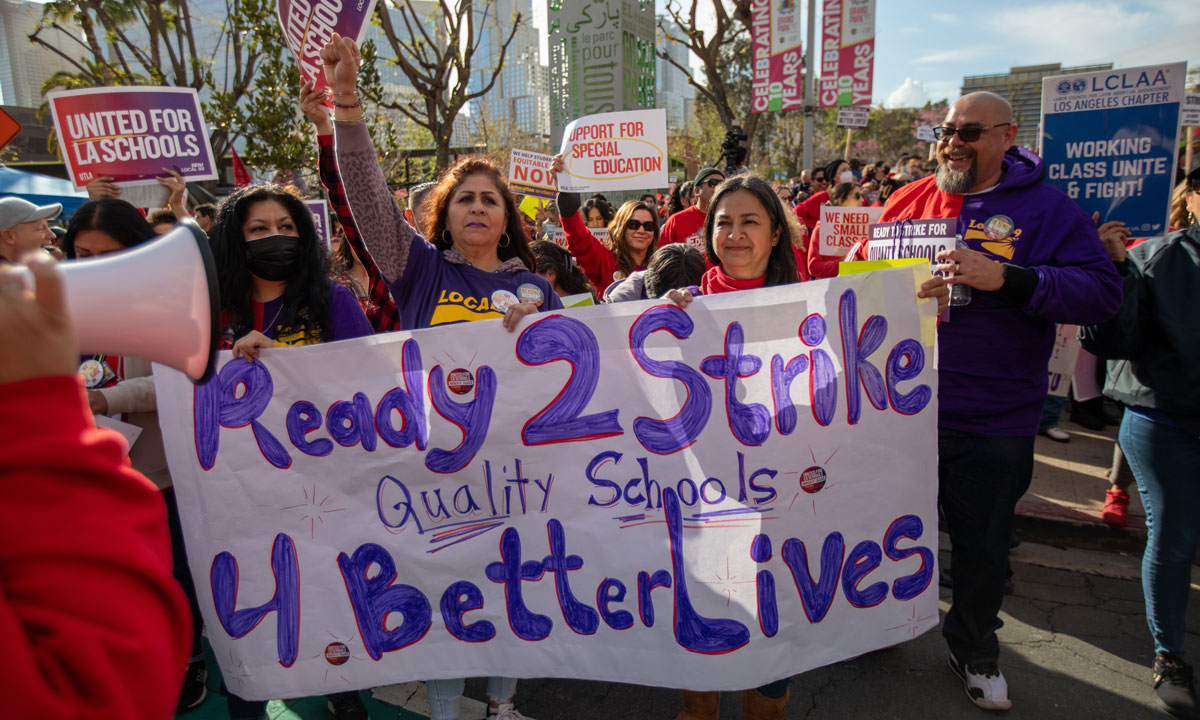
[{"x": 956, "y": 181}]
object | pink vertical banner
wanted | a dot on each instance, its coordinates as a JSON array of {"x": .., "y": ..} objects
[
  {"x": 308, "y": 25},
  {"x": 847, "y": 52},
  {"x": 778, "y": 56}
]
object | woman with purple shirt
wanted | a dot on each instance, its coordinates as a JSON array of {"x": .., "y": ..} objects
[
  {"x": 274, "y": 273},
  {"x": 478, "y": 266},
  {"x": 276, "y": 292}
]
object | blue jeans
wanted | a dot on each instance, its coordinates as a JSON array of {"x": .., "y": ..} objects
[
  {"x": 1051, "y": 410},
  {"x": 1164, "y": 460},
  {"x": 444, "y": 694}
]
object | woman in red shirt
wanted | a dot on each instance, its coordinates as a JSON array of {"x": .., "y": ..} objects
[
  {"x": 823, "y": 266},
  {"x": 632, "y": 238}
]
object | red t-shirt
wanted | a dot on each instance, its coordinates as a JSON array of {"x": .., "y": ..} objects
[
  {"x": 685, "y": 226},
  {"x": 809, "y": 211}
]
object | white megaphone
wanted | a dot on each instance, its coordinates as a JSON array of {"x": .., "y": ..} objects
[{"x": 159, "y": 300}]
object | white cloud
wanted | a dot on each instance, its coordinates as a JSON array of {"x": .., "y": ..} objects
[
  {"x": 946, "y": 18},
  {"x": 911, "y": 93},
  {"x": 957, "y": 55}
]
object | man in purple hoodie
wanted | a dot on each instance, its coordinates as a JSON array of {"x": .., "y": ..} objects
[{"x": 1033, "y": 259}]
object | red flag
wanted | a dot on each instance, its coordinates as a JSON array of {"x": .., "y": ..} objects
[{"x": 241, "y": 176}]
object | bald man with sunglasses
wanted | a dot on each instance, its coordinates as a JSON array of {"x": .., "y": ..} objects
[{"x": 1032, "y": 259}]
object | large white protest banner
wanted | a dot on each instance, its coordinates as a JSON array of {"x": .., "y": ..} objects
[
  {"x": 842, "y": 227},
  {"x": 615, "y": 151},
  {"x": 708, "y": 499}
]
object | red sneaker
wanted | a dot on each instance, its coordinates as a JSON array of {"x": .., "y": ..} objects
[{"x": 1116, "y": 507}]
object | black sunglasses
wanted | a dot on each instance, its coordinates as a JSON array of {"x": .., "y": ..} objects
[
  {"x": 713, "y": 182},
  {"x": 819, "y": 179},
  {"x": 634, "y": 225},
  {"x": 968, "y": 134}
]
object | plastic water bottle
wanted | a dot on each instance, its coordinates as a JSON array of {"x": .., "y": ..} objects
[{"x": 960, "y": 294}]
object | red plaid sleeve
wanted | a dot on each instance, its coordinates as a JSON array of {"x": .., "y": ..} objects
[{"x": 388, "y": 316}]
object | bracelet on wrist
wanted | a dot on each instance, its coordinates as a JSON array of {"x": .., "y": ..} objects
[{"x": 356, "y": 103}]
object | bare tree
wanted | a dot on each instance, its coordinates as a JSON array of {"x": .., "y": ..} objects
[
  {"x": 716, "y": 48},
  {"x": 436, "y": 53}
]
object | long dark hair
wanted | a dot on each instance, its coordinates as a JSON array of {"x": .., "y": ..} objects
[
  {"x": 606, "y": 210},
  {"x": 115, "y": 218},
  {"x": 435, "y": 207},
  {"x": 781, "y": 263},
  {"x": 672, "y": 266},
  {"x": 840, "y": 193},
  {"x": 567, "y": 273},
  {"x": 616, "y": 235},
  {"x": 307, "y": 298}
]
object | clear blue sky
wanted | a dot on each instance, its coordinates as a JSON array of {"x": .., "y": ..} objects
[{"x": 924, "y": 48}]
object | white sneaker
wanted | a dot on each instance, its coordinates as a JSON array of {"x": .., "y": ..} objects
[
  {"x": 1056, "y": 434},
  {"x": 504, "y": 711},
  {"x": 985, "y": 685}
]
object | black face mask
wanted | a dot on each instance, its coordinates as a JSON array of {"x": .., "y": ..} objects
[{"x": 273, "y": 257}]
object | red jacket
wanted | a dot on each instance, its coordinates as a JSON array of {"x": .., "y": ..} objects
[
  {"x": 818, "y": 265},
  {"x": 809, "y": 211},
  {"x": 92, "y": 623},
  {"x": 598, "y": 262}
]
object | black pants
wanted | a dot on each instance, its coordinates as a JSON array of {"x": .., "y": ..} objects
[
  {"x": 980, "y": 479},
  {"x": 183, "y": 574}
]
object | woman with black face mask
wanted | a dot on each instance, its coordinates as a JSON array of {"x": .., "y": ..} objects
[
  {"x": 274, "y": 276},
  {"x": 276, "y": 292}
]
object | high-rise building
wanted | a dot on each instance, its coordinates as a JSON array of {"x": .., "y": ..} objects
[
  {"x": 520, "y": 95},
  {"x": 675, "y": 93},
  {"x": 24, "y": 66},
  {"x": 1022, "y": 86}
]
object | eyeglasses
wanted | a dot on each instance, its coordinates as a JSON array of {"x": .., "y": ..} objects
[
  {"x": 634, "y": 225},
  {"x": 970, "y": 133},
  {"x": 713, "y": 182}
]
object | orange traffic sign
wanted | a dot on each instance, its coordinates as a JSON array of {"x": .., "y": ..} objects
[{"x": 9, "y": 128}]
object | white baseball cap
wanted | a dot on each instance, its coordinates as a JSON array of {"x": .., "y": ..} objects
[{"x": 15, "y": 210}]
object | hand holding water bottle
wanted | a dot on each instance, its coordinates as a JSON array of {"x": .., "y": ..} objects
[{"x": 969, "y": 269}]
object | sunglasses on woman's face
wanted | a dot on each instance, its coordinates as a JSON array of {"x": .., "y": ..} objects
[{"x": 634, "y": 225}]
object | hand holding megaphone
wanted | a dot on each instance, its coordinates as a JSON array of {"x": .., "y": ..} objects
[
  {"x": 37, "y": 338},
  {"x": 158, "y": 300}
]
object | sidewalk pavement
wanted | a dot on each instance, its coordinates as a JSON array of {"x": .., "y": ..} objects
[
  {"x": 1074, "y": 640},
  {"x": 1069, "y": 479}
]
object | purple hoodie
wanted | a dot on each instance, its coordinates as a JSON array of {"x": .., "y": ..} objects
[{"x": 994, "y": 351}]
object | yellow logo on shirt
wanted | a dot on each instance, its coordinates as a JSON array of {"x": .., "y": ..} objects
[
  {"x": 453, "y": 307},
  {"x": 999, "y": 235}
]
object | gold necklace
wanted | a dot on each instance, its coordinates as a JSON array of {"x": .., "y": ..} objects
[{"x": 271, "y": 324}]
